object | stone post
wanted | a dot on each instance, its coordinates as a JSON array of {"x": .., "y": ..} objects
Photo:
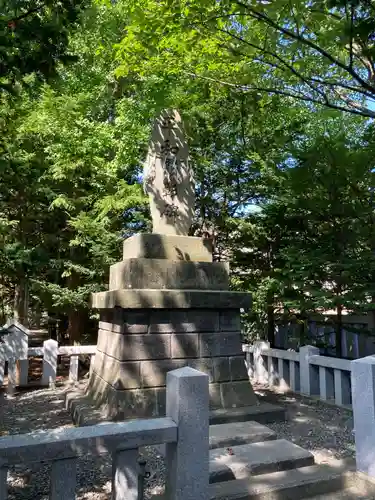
[
  {"x": 260, "y": 367},
  {"x": 363, "y": 400},
  {"x": 309, "y": 374},
  {"x": 187, "y": 460},
  {"x": 50, "y": 351}
]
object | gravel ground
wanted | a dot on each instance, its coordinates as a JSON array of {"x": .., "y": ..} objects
[
  {"x": 323, "y": 429},
  {"x": 44, "y": 409}
]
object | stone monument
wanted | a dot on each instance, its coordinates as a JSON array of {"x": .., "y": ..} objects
[{"x": 168, "y": 304}]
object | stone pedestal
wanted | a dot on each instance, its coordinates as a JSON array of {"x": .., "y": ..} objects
[{"x": 167, "y": 307}]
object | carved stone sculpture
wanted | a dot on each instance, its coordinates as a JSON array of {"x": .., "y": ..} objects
[{"x": 168, "y": 178}]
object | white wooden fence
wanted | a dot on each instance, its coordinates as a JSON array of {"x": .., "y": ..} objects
[
  {"x": 184, "y": 430},
  {"x": 306, "y": 371},
  {"x": 50, "y": 352}
]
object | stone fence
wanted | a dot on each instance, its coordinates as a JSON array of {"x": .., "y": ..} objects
[
  {"x": 305, "y": 371},
  {"x": 18, "y": 366},
  {"x": 184, "y": 430},
  {"x": 343, "y": 382}
]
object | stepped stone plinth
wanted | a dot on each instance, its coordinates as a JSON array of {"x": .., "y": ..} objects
[
  {"x": 168, "y": 305},
  {"x": 163, "y": 314}
]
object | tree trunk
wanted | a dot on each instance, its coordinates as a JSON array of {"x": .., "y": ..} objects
[
  {"x": 21, "y": 302},
  {"x": 371, "y": 316},
  {"x": 270, "y": 321},
  {"x": 76, "y": 326},
  {"x": 338, "y": 332}
]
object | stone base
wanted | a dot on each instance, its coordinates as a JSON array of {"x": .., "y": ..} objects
[
  {"x": 136, "y": 348},
  {"x": 150, "y": 402},
  {"x": 170, "y": 299},
  {"x": 171, "y": 247},
  {"x": 85, "y": 411},
  {"x": 161, "y": 274}
]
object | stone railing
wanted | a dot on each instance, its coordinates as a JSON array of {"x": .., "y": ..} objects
[
  {"x": 184, "y": 430},
  {"x": 50, "y": 352},
  {"x": 306, "y": 372}
]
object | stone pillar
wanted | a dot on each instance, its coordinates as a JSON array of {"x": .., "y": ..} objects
[
  {"x": 162, "y": 314},
  {"x": 363, "y": 401},
  {"x": 309, "y": 374}
]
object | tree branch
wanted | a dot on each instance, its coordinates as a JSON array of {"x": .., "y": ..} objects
[
  {"x": 307, "y": 81},
  {"x": 351, "y": 35},
  {"x": 359, "y": 90},
  {"x": 26, "y": 14},
  {"x": 259, "y": 16},
  {"x": 356, "y": 109},
  {"x": 278, "y": 58}
]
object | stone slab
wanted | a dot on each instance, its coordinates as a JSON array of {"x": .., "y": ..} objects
[
  {"x": 220, "y": 344},
  {"x": 171, "y": 299},
  {"x": 126, "y": 404},
  {"x": 119, "y": 374},
  {"x": 236, "y": 433},
  {"x": 171, "y": 247},
  {"x": 184, "y": 321},
  {"x": 154, "y": 372},
  {"x": 230, "y": 368},
  {"x": 166, "y": 274},
  {"x": 347, "y": 494},
  {"x": 237, "y": 393},
  {"x": 256, "y": 458},
  {"x": 264, "y": 413},
  {"x": 230, "y": 320},
  {"x": 294, "y": 484},
  {"x": 134, "y": 347},
  {"x": 185, "y": 345},
  {"x": 316, "y": 482},
  {"x": 120, "y": 320}
]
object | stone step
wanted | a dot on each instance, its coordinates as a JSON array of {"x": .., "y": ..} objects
[
  {"x": 294, "y": 484},
  {"x": 348, "y": 494},
  {"x": 236, "y": 433},
  {"x": 247, "y": 460},
  {"x": 264, "y": 413}
]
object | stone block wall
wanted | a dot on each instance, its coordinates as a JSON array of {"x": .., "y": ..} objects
[{"x": 136, "y": 349}]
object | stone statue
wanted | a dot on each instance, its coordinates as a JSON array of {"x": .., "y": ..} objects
[{"x": 168, "y": 179}]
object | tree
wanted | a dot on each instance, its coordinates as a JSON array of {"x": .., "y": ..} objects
[
  {"x": 329, "y": 257},
  {"x": 69, "y": 189},
  {"x": 317, "y": 51},
  {"x": 34, "y": 38}
]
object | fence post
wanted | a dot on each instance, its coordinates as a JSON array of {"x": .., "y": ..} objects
[
  {"x": 363, "y": 400},
  {"x": 294, "y": 373},
  {"x": 342, "y": 387},
  {"x": 23, "y": 365},
  {"x": 63, "y": 479},
  {"x": 50, "y": 350},
  {"x": 3, "y": 483},
  {"x": 12, "y": 376},
  {"x": 309, "y": 374},
  {"x": 187, "y": 460},
  {"x": 248, "y": 360},
  {"x": 326, "y": 383},
  {"x": 260, "y": 371},
  {"x": 73, "y": 368},
  {"x": 92, "y": 362},
  {"x": 125, "y": 471},
  {"x": 2, "y": 368}
]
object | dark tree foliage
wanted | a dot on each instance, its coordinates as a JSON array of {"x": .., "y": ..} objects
[{"x": 34, "y": 37}]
